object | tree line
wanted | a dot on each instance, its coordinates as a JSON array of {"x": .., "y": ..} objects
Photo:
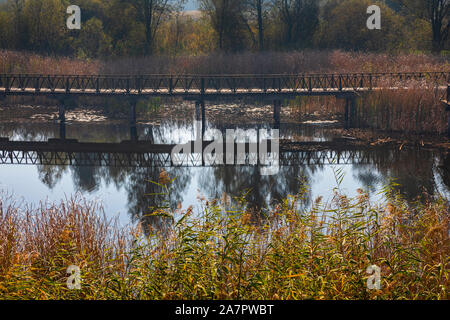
[{"x": 148, "y": 27}]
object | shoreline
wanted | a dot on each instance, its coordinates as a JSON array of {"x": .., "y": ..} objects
[{"x": 229, "y": 114}]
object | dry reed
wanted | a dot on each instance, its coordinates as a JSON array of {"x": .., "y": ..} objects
[
  {"x": 220, "y": 63},
  {"x": 219, "y": 253}
]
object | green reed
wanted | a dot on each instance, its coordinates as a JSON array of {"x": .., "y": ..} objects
[{"x": 224, "y": 251}]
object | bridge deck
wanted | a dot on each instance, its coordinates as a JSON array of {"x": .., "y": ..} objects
[
  {"x": 210, "y": 85},
  {"x": 195, "y": 93}
]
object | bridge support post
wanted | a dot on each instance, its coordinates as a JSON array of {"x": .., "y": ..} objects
[
  {"x": 447, "y": 108},
  {"x": 203, "y": 118},
  {"x": 347, "y": 113},
  {"x": 200, "y": 114},
  {"x": 350, "y": 109},
  {"x": 276, "y": 113},
  {"x": 448, "y": 121},
  {"x": 62, "y": 130},
  {"x": 353, "y": 114},
  {"x": 62, "y": 119},
  {"x": 446, "y": 169},
  {"x": 133, "y": 126},
  {"x": 448, "y": 93}
]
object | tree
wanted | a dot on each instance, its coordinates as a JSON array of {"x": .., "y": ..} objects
[
  {"x": 436, "y": 12},
  {"x": 16, "y": 8},
  {"x": 299, "y": 19},
  {"x": 200, "y": 37},
  {"x": 344, "y": 27},
  {"x": 5, "y": 30},
  {"x": 92, "y": 41},
  {"x": 258, "y": 12},
  {"x": 152, "y": 13},
  {"x": 227, "y": 19},
  {"x": 45, "y": 24}
]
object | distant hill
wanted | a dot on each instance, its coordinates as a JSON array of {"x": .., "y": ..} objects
[{"x": 194, "y": 14}]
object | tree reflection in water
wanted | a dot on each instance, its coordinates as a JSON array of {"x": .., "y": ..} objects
[{"x": 415, "y": 170}]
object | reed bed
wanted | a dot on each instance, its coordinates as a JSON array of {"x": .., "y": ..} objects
[
  {"x": 417, "y": 109},
  {"x": 226, "y": 252},
  {"x": 292, "y": 62},
  {"x": 38, "y": 244},
  {"x": 324, "y": 107},
  {"x": 30, "y": 63}
]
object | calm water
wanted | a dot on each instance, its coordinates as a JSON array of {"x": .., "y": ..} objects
[{"x": 124, "y": 191}]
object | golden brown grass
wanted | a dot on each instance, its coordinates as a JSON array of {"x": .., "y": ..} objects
[
  {"x": 23, "y": 62},
  {"x": 417, "y": 109},
  {"x": 228, "y": 253},
  {"x": 292, "y": 62},
  {"x": 37, "y": 245},
  {"x": 219, "y": 63}
]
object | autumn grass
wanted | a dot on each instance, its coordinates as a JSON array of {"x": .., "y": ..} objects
[
  {"x": 225, "y": 252},
  {"x": 291, "y": 62},
  {"x": 322, "y": 107},
  {"x": 36, "y": 245},
  {"x": 31, "y": 63},
  {"x": 271, "y": 62},
  {"x": 417, "y": 109}
]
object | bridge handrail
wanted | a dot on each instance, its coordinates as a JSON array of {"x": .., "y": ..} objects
[
  {"x": 306, "y": 74},
  {"x": 204, "y": 83}
]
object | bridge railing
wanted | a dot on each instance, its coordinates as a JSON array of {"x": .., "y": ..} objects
[
  {"x": 113, "y": 159},
  {"x": 199, "y": 84}
]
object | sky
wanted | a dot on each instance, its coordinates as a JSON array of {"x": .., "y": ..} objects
[{"x": 191, "y": 5}]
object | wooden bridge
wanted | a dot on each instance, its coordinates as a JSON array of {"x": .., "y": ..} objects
[{"x": 209, "y": 87}]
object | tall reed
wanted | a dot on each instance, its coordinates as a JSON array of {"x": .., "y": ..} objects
[
  {"x": 225, "y": 252},
  {"x": 30, "y": 63},
  {"x": 292, "y": 62},
  {"x": 417, "y": 109}
]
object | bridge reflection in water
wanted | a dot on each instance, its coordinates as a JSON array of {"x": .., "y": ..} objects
[
  {"x": 146, "y": 154},
  {"x": 130, "y": 164}
]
